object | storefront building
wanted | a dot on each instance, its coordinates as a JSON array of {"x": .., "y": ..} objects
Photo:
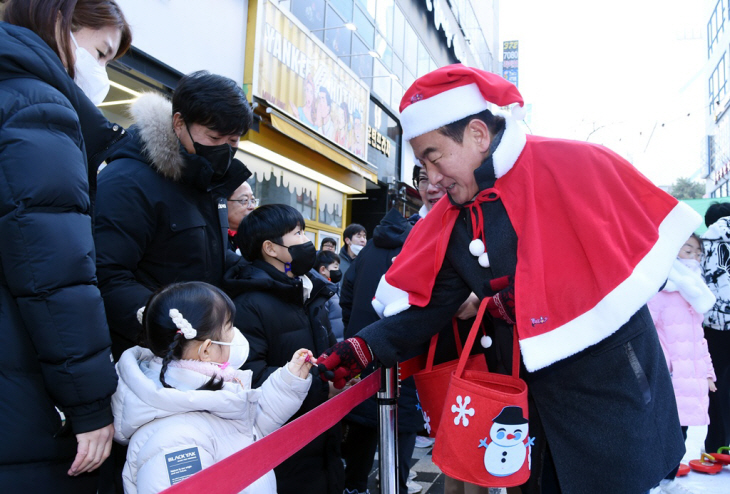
[
  {"x": 717, "y": 119},
  {"x": 325, "y": 78},
  {"x": 387, "y": 44}
]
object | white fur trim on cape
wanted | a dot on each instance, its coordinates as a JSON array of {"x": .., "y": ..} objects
[
  {"x": 389, "y": 300},
  {"x": 152, "y": 113},
  {"x": 441, "y": 109},
  {"x": 616, "y": 308},
  {"x": 510, "y": 147},
  {"x": 691, "y": 286}
]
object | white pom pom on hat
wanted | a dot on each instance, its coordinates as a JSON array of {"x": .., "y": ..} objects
[{"x": 451, "y": 93}]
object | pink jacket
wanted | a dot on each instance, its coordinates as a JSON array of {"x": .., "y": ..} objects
[{"x": 680, "y": 332}]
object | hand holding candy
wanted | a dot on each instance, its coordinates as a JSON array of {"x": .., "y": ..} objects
[{"x": 301, "y": 362}]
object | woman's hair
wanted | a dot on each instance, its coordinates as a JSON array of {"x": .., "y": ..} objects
[
  {"x": 269, "y": 222},
  {"x": 42, "y": 16},
  {"x": 204, "y": 306}
]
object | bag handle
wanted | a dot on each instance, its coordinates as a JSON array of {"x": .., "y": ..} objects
[
  {"x": 434, "y": 341},
  {"x": 473, "y": 335}
]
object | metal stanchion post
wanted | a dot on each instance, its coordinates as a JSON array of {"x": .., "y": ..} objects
[{"x": 388, "y": 420}]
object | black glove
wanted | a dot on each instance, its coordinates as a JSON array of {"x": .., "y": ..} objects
[{"x": 343, "y": 361}]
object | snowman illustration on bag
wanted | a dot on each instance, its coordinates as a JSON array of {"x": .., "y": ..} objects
[{"x": 508, "y": 444}]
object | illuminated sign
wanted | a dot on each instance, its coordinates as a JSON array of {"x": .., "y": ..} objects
[{"x": 510, "y": 60}]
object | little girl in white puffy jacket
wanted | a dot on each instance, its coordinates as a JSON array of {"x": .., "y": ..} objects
[{"x": 182, "y": 404}]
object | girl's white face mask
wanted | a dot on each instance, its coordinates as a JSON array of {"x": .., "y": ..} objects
[
  {"x": 238, "y": 350},
  {"x": 90, "y": 76}
]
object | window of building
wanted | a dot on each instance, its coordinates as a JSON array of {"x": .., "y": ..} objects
[
  {"x": 337, "y": 37},
  {"x": 362, "y": 65},
  {"x": 717, "y": 84},
  {"x": 365, "y": 28},
  {"x": 715, "y": 26},
  {"x": 399, "y": 27},
  {"x": 424, "y": 60},
  {"x": 381, "y": 81},
  {"x": 384, "y": 19},
  {"x": 344, "y": 7},
  {"x": 310, "y": 12},
  {"x": 412, "y": 49}
]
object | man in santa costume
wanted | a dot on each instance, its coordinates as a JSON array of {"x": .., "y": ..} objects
[{"x": 563, "y": 241}]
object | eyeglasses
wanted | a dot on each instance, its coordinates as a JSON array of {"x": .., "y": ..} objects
[
  {"x": 246, "y": 202},
  {"x": 422, "y": 183}
]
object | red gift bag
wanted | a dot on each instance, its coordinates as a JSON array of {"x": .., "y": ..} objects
[
  {"x": 483, "y": 437},
  {"x": 433, "y": 381}
]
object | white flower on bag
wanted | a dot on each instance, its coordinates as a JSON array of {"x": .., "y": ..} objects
[{"x": 461, "y": 410}]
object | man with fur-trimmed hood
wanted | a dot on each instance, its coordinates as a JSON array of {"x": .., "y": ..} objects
[{"x": 161, "y": 212}]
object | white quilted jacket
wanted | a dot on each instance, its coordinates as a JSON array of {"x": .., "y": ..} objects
[{"x": 159, "y": 422}]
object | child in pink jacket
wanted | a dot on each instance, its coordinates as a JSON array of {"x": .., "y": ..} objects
[{"x": 678, "y": 311}]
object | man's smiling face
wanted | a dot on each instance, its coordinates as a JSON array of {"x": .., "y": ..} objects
[{"x": 451, "y": 164}]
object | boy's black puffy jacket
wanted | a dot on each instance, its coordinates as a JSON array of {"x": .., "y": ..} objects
[{"x": 271, "y": 313}]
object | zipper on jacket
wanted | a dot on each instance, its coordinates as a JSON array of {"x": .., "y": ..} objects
[{"x": 119, "y": 137}]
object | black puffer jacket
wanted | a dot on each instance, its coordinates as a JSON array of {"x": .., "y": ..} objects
[
  {"x": 358, "y": 290},
  {"x": 159, "y": 219},
  {"x": 56, "y": 347},
  {"x": 272, "y": 314}
]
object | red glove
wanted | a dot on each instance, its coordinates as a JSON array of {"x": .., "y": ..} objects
[
  {"x": 344, "y": 361},
  {"x": 502, "y": 305}
]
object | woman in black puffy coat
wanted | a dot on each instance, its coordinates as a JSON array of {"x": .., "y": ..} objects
[{"x": 56, "y": 347}]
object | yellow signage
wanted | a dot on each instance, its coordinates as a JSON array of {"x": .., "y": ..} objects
[{"x": 298, "y": 75}]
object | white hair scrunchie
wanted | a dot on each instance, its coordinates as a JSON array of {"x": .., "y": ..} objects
[
  {"x": 182, "y": 324},
  {"x": 140, "y": 314}
]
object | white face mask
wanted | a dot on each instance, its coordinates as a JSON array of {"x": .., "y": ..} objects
[
  {"x": 356, "y": 249},
  {"x": 238, "y": 350},
  {"x": 90, "y": 76},
  {"x": 693, "y": 264}
]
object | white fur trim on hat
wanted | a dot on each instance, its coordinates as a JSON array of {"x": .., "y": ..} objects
[{"x": 441, "y": 109}]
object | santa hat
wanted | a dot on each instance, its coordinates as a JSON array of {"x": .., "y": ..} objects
[{"x": 451, "y": 93}]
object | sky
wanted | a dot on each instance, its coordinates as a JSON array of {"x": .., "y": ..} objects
[{"x": 628, "y": 74}]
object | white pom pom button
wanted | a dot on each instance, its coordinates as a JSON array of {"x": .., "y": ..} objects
[
  {"x": 485, "y": 341},
  {"x": 476, "y": 247},
  {"x": 484, "y": 260}
]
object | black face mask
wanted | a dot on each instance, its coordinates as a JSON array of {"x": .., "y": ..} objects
[
  {"x": 303, "y": 257},
  {"x": 219, "y": 156},
  {"x": 335, "y": 275}
]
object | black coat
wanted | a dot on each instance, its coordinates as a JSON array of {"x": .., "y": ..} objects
[
  {"x": 56, "y": 346},
  {"x": 158, "y": 219},
  {"x": 271, "y": 313}
]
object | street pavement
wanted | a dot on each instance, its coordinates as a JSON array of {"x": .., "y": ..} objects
[{"x": 431, "y": 479}]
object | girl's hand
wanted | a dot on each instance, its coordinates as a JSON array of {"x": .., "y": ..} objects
[
  {"x": 711, "y": 384},
  {"x": 301, "y": 362}
]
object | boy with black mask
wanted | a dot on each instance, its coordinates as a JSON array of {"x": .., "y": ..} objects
[
  {"x": 278, "y": 307},
  {"x": 161, "y": 212}
]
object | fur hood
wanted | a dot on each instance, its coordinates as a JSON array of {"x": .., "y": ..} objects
[{"x": 152, "y": 114}]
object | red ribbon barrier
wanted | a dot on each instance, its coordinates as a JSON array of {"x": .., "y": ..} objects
[{"x": 229, "y": 477}]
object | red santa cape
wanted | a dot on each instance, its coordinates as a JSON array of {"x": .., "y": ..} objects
[{"x": 596, "y": 240}]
